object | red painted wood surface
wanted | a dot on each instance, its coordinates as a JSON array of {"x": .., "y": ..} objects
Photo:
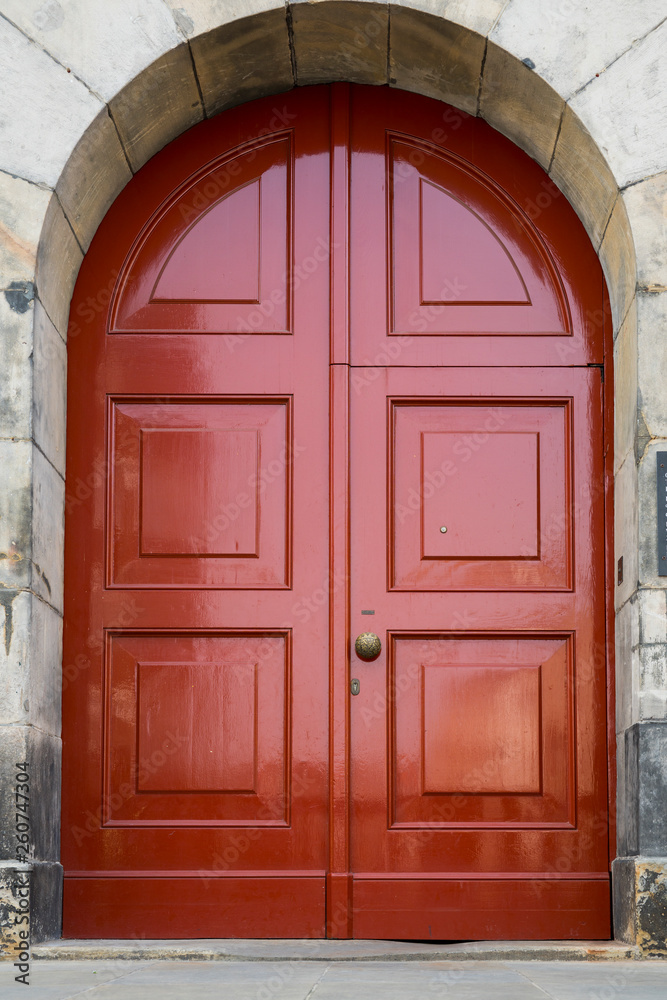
[{"x": 233, "y": 506}]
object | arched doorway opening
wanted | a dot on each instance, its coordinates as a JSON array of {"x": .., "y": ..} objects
[{"x": 350, "y": 380}]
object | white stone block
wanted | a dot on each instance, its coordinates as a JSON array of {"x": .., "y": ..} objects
[
  {"x": 647, "y": 515},
  {"x": 50, "y": 387},
  {"x": 48, "y": 512},
  {"x": 625, "y": 109},
  {"x": 242, "y": 60},
  {"x": 652, "y": 616},
  {"x": 478, "y": 15},
  {"x": 652, "y": 681},
  {"x": 625, "y": 528},
  {"x": 627, "y": 665},
  {"x": 625, "y": 388},
  {"x": 16, "y": 316},
  {"x": 570, "y": 41},
  {"x": 104, "y": 43},
  {"x": 15, "y": 514},
  {"x": 22, "y": 209},
  {"x": 32, "y": 495},
  {"x": 652, "y": 361},
  {"x": 652, "y": 705},
  {"x": 514, "y": 100},
  {"x": 46, "y": 651},
  {"x": 44, "y": 110},
  {"x": 646, "y": 205},
  {"x": 195, "y": 17},
  {"x": 30, "y": 662},
  {"x": 434, "y": 57}
]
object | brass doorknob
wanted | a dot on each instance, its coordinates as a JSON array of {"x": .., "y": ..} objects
[{"x": 367, "y": 645}]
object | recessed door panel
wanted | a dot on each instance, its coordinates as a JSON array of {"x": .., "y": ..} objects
[
  {"x": 481, "y": 494},
  {"x": 461, "y": 253},
  {"x": 192, "y": 501},
  {"x": 515, "y": 765},
  {"x": 197, "y": 729}
]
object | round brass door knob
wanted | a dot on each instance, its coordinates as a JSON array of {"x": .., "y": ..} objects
[{"x": 367, "y": 645}]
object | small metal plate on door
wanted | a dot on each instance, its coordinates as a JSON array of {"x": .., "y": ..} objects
[{"x": 354, "y": 686}]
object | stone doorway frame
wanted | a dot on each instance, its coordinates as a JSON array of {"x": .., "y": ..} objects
[{"x": 81, "y": 120}]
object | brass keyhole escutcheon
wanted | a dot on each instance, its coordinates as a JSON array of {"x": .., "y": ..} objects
[{"x": 367, "y": 646}]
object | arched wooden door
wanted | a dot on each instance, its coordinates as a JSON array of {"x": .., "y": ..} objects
[{"x": 336, "y": 366}]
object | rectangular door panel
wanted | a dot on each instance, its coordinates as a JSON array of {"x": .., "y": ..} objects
[
  {"x": 200, "y": 492},
  {"x": 198, "y": 729},
  {"x": 205, "y": 906},
  {"x": 481, "y": 494},
  {"x": 502, "y": 909},
  {"x": 515, "y": 766}
]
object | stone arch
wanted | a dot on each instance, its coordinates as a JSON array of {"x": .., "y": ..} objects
[{"x": 99, "y": 111}]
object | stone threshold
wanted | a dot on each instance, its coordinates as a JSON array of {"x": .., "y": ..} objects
[{"x": 245, "y": 950}]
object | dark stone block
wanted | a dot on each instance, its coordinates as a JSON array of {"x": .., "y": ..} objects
[
  {"x": 624, "y": 902},
  {"x": 645, "y": 807},
  {"x": 46, "y": 902},
  {"x": 19, "y": 744},
  {"x": 35, "y": 889},
  {"x": 640, "y": 903}
]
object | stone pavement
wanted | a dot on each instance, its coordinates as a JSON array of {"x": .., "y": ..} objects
[{"x": 336, "y": 971}]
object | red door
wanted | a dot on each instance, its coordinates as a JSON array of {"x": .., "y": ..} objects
[{"x": 349, "y": 379}]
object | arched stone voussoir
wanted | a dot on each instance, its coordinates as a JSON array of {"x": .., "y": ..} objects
[
  {"x": 93, "y": 176},
  {"x": 340, "y": 40},
  {"x": 59, "y": 258},
  {"x": 157, "y": 105},
  {"x": 243, "y": 59},
  {"x": 434, "y": 57},
  {"x": 516, "y": 101}
]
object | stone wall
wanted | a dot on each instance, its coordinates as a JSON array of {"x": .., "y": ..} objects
[{"x": 91, "y": 89}]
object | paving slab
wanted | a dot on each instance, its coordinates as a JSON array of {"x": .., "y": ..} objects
[{"x": 292, "y": 979}]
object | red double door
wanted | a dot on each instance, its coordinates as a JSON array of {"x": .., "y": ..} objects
[{"x": 336, "y": 367}]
